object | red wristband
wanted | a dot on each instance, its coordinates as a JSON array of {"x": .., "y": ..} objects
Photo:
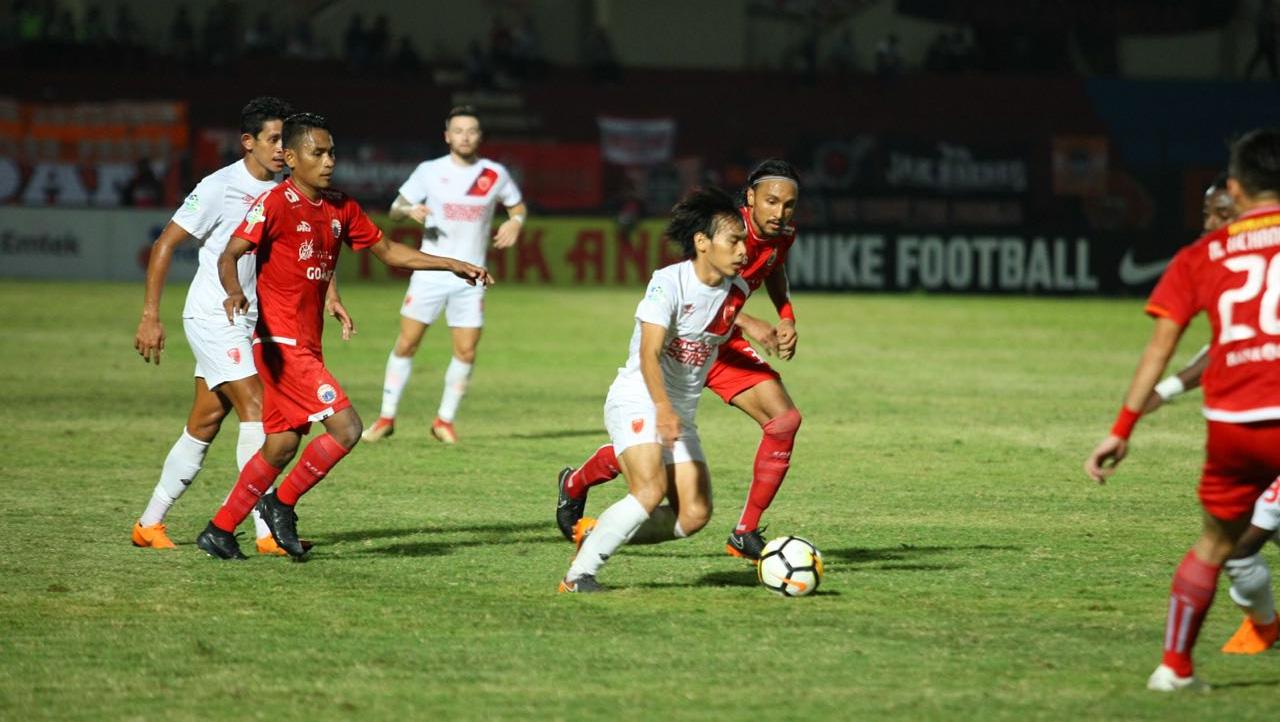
[
  {"x": 1125, "y": 421},
  {"x": 787, "y": 313}
]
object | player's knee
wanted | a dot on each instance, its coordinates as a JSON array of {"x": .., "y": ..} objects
[
  {"x": 204, "y": 424},
  {"x": 649, "y": 495},
  {"x": 465, "y": 355},
  {"x": 406, "y": 347},
  {"x": 1249, "y": 576},
  {"x": 784, "y": 425},
  {"x": 348, "y": 435}
]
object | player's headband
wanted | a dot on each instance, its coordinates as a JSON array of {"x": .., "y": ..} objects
[{"x": 764, "y": 178}]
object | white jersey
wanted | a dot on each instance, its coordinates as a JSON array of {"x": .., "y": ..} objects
[
  {"x": 698, "y": 318},
  {"x": 461, "y": 199},
  {"x": 212, "y": 211}
]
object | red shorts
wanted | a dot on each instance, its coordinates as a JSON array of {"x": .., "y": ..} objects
[
  {"x": 296, "y": 388},
  {"x": 1241, "y": 462},
  {"x": 737, "y": 368}
]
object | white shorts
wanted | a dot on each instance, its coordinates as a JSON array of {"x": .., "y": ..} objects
[
  {"x": 631, "y": 423},
  {"x": 431, "y": 291},
  {"x": 223, "y": 351},
  {"x": 1266, "y": 510}
]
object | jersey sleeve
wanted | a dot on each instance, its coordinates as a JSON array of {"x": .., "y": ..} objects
[
  {"x": 659, "y": 303},
  {"x": 362, "y": 232},
  {"x": 201, "y": 210},
  {"x": 414, "y": 188},
  {"x": 1174, "y": 297},
  {"x": 509, "y": 192},
  {"x": 259, "y": 218}
]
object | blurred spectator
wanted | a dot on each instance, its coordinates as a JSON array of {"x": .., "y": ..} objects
[
  {"x": 126, "y": 27},
  {"x": 220, "y": 34},
  {"x": 843, "y": 57},
  {"x": 378, "y": 42},
  {"x": 30, "y": 21},
  {"x": 144, "y": 190},
  {"x": 1265, "y": 32},
  {"x": 95, "y": 26},
  {"x": 950, "y": 52},
  {"x": 260, "y": 38},
  {"x": 182, "y": 36},
  {"x": 407, "y": 61},
  {"x": 476, "y": 64},
  {"x": 63, "y": 29},
  {"x": 301, "y": 42},
  {"x": 353, "y": 42},
  {"x": 888, "y": 57},
  {"x": 502, "y": 47},
  {"x": 527, "y": 47},
  {"x": 601, "y": 59}
]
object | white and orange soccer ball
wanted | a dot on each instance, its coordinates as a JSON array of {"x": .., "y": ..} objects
[{"x": 790, "y": 566}]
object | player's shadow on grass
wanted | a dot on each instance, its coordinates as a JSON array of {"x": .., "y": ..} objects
[
  {"x": 726, "y": 578},
  {"x": 904, "y": 556},
  {"x": 561, "y": 434},
  {"x": 1243, "y": 685},
  {"x": 389, "y": 533}
]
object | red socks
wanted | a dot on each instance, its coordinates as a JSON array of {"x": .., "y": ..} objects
[
  {"x": 773, "y": 458},
  {"x": 1194, "y": 585},
  {"x": 321, "y": 455},
  {"x": 601, "y": 467},
  {"x": 253, "y": 482}
]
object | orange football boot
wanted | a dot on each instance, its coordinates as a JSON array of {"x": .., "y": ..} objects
[
  {"x": 153, "y": 536},
  {"x": 267, "y": 545},
  {"x": 443, "y": 430},
  {"x": 1252, "y": 638},
  {"x": 582, "y": 529},
  {"x": 383, "y": 428}
]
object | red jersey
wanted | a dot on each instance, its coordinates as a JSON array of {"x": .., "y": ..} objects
[
  {"x": 298, "y": 242},
  {"x": 764, "y": 254},
  {"x": 1233, "y": 274}
]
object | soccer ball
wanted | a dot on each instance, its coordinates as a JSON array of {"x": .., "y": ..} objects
[{"x": 790, "y": 566}]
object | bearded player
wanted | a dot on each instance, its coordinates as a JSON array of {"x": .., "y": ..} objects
[
  {"x": 739, "y": 376},
  {"x": 297, "y": 230}
]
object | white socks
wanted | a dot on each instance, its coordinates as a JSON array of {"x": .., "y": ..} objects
[
  {"x": 614, "y": 527},
  {"x": 455, "y": 385},
  {"x": 661, "y": 526},
  {"x": 399, "y": 368},
  {"x": 181, "y": 466},
  {"x": 1251, "y": 587},
  {"x": 247, "y": 444}
]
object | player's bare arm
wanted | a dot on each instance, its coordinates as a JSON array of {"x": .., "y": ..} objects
[
  {"x": 236, "y": 301},
  {"x": 759, "y": 331},
  {"x": 509, "y": 231},
  {"x": 1112, "y": 450},
  {"x": 652, "y": 339},
  {"x": 399, "y": 255},
  {"x": 402, "y": 208},
  {"x": 333, "y": 306},
  {"x": 149, "y": 338},
  {"x": 780, "y": 293},
  {"x": 1186, "y": 379}
]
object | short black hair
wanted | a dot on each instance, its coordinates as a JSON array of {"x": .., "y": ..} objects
[
  {"x": 699, "y": 212},
  {"x": 261, "y": 109},
  {"x": 1255, "y": 161},
  {"x": 297, "y": 125},
  {"x": 461, "y": 110},
  {"x": 765, "y": 168}
]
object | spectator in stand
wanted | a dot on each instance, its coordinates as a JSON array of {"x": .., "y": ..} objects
[
  {"x": 843, "y": 57},
  {"x": 889, "y": 57},
  {"x": 1266, "y": 33},
  {"x": 476, "y": 64},
  {"x": 378, "y": 41},
  {"x": 407, "y": 62},
  {"x": 260, "y": 39},
  {"x": 182, "y": 36},
  {"x": 301, "y": 42},
  {"x": 354, "y": 42},
  {"x": 144, "y": 190},
  {"x": 527, "y": 47},
  {"x": 601, "y": 59}
]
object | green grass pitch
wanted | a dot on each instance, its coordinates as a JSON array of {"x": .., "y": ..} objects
[{"x": 972, "y": 571}]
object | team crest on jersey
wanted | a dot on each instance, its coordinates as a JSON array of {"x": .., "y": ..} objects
[
  {"x": 484, "y": 183},
  {"x": 234, "y": 355},
  {"x": 336, "y": 226},
  {"x": 326, "y": 394},
  {"x": 256, "y": 215},
  {"x": 637, "y": 425},
  {"x": 303, "y": 227},
  {"x": 306, "y": 250},
  {"x": 290, "y": 196},
  {"x": 773, "y": 258}
]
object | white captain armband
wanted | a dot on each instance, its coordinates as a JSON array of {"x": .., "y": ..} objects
[{"x": 1170, "y": 387}]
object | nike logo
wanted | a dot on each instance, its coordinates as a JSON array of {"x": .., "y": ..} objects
[
  {"x": 1135, "y": 274},
  {"x": 796, "y": 583},
  {"x": 737, "y": 541}
]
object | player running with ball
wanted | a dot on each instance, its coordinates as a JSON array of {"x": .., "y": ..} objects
[
  {"x": 298, "y": 229},
  {"x": 739, "y": 376},
  {"x": 688, "y": 310}
]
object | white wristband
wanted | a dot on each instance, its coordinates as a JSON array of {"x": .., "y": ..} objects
[
  {"x": 1170, "y": 387},
  {"x": 519, "y": 218}
]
